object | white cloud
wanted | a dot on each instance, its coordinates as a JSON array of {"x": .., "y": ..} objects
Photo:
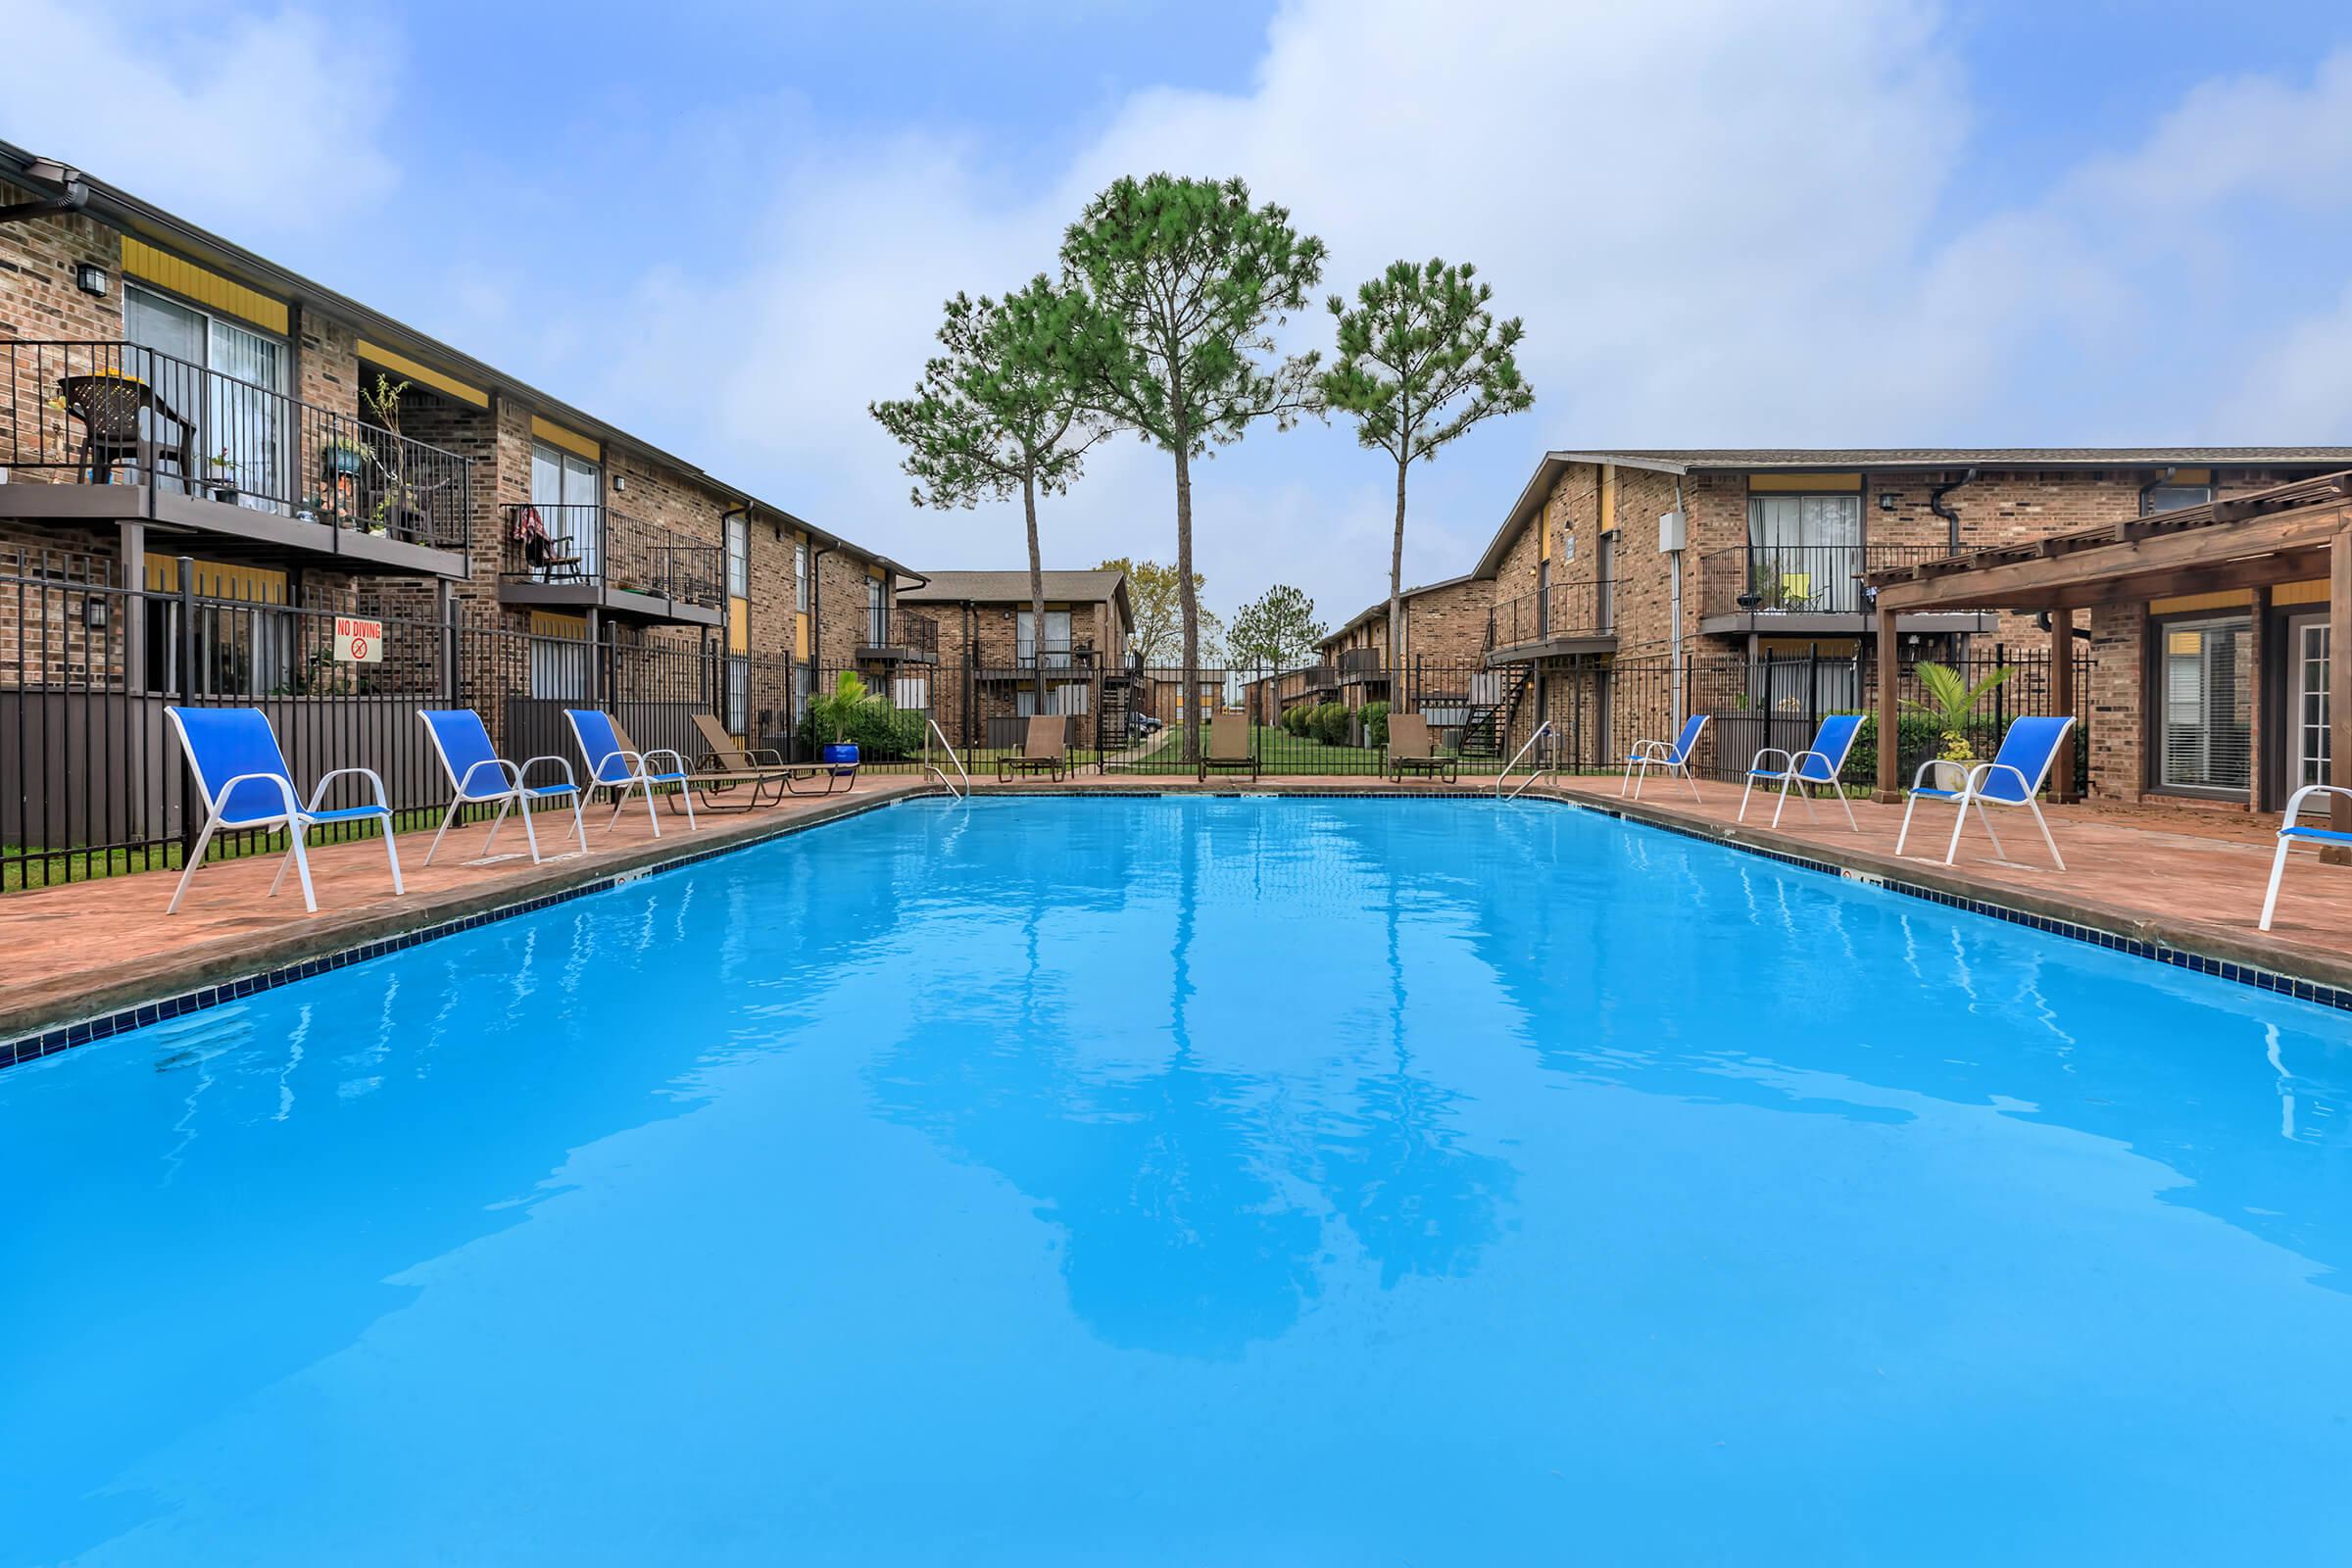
[
  {"x": 2300, "y": 383},
  {"x": 257, "y": 124}
]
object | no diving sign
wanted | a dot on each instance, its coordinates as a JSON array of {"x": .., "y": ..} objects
[{"x": 357, "y": 641}]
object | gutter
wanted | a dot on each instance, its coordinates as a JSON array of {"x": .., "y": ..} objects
[
  {"x": 1951, "y": 518},
  {"x": 72, "y": 195},
  {"x": 2163, "y": 476}
]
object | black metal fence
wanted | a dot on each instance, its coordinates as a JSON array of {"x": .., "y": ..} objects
[
  {"x": 106, "y": 412},
  {"x": 92, "y": 782}
]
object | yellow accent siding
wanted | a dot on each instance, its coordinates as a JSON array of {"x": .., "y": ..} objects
[
  {"x": 555, "y": 435},
  {"x": 800, "y": 637},
  {"x": 206, "y": 288},
  {"x": 1804, "y": 481},
  {"x": 739, "y": 625},
  {"x": 2227, "y": 599},
  {"x": 422, "y": 374},
  {"x": 555, "y": 623},
  {"x": 219, "y": 579},
  {"x": 2314, "y": 592},
  {"x": 1608, "y": 497}
]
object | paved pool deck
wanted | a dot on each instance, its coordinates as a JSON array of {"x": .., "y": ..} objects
[{"x": 2183, "y": 879}]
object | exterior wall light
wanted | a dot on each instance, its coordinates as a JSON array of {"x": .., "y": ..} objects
[{"x": 91, "y": 279}]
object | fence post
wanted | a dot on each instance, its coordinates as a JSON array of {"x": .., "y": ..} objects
[{"x": 183, "y": 687}]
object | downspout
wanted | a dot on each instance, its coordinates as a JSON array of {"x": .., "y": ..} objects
[
  {"x": 2163, "y": 477},
  {"x": 70, "y": 197},
  {"x": 1951, "y": 518}
]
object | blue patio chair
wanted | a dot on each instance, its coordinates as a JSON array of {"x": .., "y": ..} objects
[
  {"x": 615, "y": 766},
  {"x": 2292, "y": 832},
  {"x": 1674, "y": 758},
  {"x": 480, "y": 777},
  {"x": 2013, "y": 777},
  {"x": 1801, "y": 770},
  {"x": 240, "y": 772}
]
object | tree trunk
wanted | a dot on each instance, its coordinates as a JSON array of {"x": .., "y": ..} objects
[
  {"x": 1396, "y": 601},
  {"x": 1037, "y": 587},
  {"x": 1189, "y": 601}
]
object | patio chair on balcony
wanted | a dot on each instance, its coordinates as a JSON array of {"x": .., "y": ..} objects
[
  {"x": 1229, "y": 745},
  {"x": 1820, "y": 763},
  {"x": 726, "y": 767},
  {"x": 480, "y": 777},
  {"x": 241, "y": 776},
  {"x": 2292, "y": 832},
  {"x": 1669, "y": 758},
  {"x": 615, "y": 765},
  {"x": 124, "y": 420},
  {"x": 1412, "y": 748},
  {"x": 1045, "y": 749},
  {"x": 2014, "y": 777}
]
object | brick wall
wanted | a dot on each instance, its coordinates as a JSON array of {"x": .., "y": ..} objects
[{"x": 2118, "y": 716}]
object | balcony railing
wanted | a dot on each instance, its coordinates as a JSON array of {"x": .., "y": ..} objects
[
  {"x": 1565, "y": 610},
  {"x": 591, "y": 544},
  {"x": 1798, "y": 579},
  {"x": 1361, "y": 663},
  {"x": 105, "y": 413},
  {"x": 1321, "y": 678},
  {"x": 899, "y": 631}
]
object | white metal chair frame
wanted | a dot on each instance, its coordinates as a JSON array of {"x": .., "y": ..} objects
[
  {"x": 515, "y": 792},
  {"x": 1647, "y": 755},
  {"x": 2289, "y": 830},
  {"x": 642, "y": 776},
  {"x": 1791, "y": 772},
  {"x": 297, "y": 819},
  {"x": 1972, "y": 792}
]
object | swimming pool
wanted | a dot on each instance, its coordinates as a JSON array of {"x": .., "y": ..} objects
[{"x": 1192, "y": 1180}]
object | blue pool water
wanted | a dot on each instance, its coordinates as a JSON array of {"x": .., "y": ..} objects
[{"x": 1242, "y": 1181}]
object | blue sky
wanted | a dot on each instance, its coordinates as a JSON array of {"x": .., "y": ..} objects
[{"x": 1823, "y": 221}]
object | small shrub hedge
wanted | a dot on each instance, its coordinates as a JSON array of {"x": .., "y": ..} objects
[
  {"x": 1376, "y": 725},
  {"x": 1331, "y": 723},
  {"x": 882, "y": 733}
]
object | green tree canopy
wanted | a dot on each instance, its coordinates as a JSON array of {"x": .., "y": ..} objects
[
  {"x": 1000, "y": 413},
  {"x": 1157, "y": 634},
  {"x": 1276, "y": 631},
  {"x": 1421, "y": 360},
  {"x": 1192, "y": 278}
]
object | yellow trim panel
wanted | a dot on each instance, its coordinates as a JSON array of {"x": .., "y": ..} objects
[
  {"x": 1804, "y": 482},
  {"x": 423, "y": 374},
  {"x": 555, "y": 435},
  {"x": 206, "y": 288}
]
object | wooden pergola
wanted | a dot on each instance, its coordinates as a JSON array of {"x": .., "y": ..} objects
[{"x": 2293, "y": 533}]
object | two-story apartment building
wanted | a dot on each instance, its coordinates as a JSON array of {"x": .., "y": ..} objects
[
  {"x": 170, "y": 394},
  {"x": 1729, "y": 557},
  {"x": 990, "y": 652}
]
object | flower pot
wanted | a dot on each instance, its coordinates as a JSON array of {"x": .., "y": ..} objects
[
  {"x": 345, "y": 460},
  {"x": 843, "y": 752},
  {"x": 1951, "y": 776}
]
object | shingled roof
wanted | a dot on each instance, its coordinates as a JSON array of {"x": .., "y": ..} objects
[{"x": 1012, "y": 587}]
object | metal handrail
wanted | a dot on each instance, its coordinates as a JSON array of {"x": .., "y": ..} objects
[
  {"x": 1541, "y": 730},
  {"x": 932, "y": 725}
]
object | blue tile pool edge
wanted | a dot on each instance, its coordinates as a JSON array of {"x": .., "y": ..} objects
[{"x": 63, "y": 1037}]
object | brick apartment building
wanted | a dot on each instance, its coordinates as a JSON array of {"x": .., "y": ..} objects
[
  {"x": 989, "y": 652},
  {"x": 171, "y": 394}
]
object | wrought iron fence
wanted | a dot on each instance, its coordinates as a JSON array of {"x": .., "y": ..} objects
[{"x": 101, "y": 413}]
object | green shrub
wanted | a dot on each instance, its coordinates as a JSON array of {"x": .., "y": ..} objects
[
  {"x": 1296, "y": 718},
  {"x": 881, "y": 733},
  {"x": 1331, "y": 723},
  {"x": 1376, "y": 725}
]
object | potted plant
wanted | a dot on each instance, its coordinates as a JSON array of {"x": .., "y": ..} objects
[
  {"x": 1951, "y": 703},
  {"x": 838, "y": 712},
  {"x": 220, "y": 474},
  {"x": 345, "y": 457}
]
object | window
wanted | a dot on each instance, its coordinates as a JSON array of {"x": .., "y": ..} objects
[
  {"x": 568, "y": 491},
  {"x": 803, "y": 687},
  {"x": 912, "y": 692},
  {"x": 1067, "y": 696},
  {"x": 560, "y": 668},
  {"x": 2205, "y": 712},
  {"x": 738, "y": 557},
  {"x": 2173, "y": 497},
  {"x": 1804, "y": 553},
  {"x": 2307, "y": 702},
  {"x": 241, "y": 444},
  {"x": 235, "y": 649},
  {"x": 738, "y": 715},
  {"x": 799, "y": 578},
  {"x": 1057, "y": 639},
  {"x": 877, "y": 612}
]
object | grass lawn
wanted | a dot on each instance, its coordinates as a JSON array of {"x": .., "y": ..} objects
[{"x": 1278, "y": 751}]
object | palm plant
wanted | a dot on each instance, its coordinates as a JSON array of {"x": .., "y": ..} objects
[
  {"x": 840, "y": 710},
  {"x": 1951, "y": 701}
]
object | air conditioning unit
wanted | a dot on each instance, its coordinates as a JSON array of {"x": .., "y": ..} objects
[{"x": 1671, "y": 526}]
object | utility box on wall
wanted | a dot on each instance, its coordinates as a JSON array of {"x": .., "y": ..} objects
[{"x": 1670, "y": 531}]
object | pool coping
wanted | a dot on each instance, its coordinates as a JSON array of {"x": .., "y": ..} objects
[{"x": 206, "y": 979}]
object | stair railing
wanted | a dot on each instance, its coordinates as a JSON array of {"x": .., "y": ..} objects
[
  {"x": 936, "y": 771},
  {"x": 1540, "y": 770}
]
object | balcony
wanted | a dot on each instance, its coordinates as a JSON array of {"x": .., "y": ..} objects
[
  {"x": 1064, "y": 660},
  {"x": 1321, "y": 678},
  {"x": 1566, "y": 618},
  {"x": 1805, "y": 590},
  {"x": 99, "y": 432},
  {"x": 899, "y": 637},
  {"x": 586, "y": 556},
  {"x": 1360, "y": 664}
]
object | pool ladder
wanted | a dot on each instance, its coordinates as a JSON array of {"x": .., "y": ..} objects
[
  {"x": 940, "y": 774},
  {"x": 1541, "y": 769}
]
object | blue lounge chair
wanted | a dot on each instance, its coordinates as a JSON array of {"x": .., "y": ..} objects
[
  {"x": 2292, "y": 832},
  {"x": 1674, "y": 758},
  {"x": 612, "y": 765},
  {"x": 240, "y": 772},
  {"x": 1801, "y": 770},
  {"x": 480, "y": 777},
  {"x": 2013, "y": 777}
]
